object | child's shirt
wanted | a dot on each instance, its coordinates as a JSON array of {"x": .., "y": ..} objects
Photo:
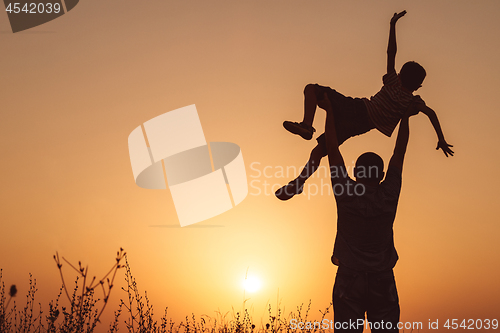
[{"x": 386, "y": 108}]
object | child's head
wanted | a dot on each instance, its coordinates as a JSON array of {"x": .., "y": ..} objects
[
  {"x": 369, "y": 168},
  {"x": 412, "y": 75}
]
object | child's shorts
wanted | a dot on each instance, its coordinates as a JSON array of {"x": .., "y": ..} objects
[{"x": 351, "y": 115}]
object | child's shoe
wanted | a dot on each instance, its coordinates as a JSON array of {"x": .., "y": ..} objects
[
  {"x": 302, "y": 129},
  {"x": 289, "y": 190}
]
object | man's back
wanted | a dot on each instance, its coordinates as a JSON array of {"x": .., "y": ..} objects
[{"x": 365, "y": 218}]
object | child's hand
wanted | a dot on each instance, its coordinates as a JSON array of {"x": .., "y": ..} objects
[
  {"x": 445, "y": 147},
  {"x": 397, "y": 16}
]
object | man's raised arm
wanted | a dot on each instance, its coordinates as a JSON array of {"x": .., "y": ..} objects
[
  {"x": 398, "y": 156},
  {"x": 392, "y": 47}
]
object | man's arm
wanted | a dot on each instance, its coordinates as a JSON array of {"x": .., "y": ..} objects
[
  {"x": 398, "y": 156},
  {"x": 392, "y": 47},
  {"x": 332, "y": 145}
]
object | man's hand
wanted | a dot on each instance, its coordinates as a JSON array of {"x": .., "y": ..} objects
[
  {"x": 445, "y": 147},
  {"x": 418, "y": 99},
  {"x": 412, "y": 110},
  {"x": 397, "y": 16},
  {"x": 415, "y": 107}
]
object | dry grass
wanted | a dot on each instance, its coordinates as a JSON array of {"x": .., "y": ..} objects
[{"x": 134, "y": 313}]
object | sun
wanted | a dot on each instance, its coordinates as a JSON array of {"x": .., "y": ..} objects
[{"x": 251, "y": 284}]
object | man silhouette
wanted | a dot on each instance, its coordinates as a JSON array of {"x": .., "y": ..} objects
[{"x": 364, "y": 245}]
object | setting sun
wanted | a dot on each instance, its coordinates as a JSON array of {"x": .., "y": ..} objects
[{"x": 251, "y": 284}]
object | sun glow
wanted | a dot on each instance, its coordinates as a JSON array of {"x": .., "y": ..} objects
[{"x": 251, "y": 284}]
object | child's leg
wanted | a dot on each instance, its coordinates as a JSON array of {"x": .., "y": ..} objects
[
  {"x": 304, "y": 128},
  {"x": 310, "y": 103},
  {"x": 296, "y": 186},
  {"x": 312, "y": 164}
]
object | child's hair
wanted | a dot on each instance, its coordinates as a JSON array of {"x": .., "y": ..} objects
[
  {"x": 412, "y": 75},
  {"x": 369, "y": 165}
]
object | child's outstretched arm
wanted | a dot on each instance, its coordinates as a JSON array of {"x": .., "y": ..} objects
[
  {"x": 442, "y": 144},
  {"x": 392, "y": 47}
]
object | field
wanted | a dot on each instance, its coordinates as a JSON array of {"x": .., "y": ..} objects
[{"x": 88, "y": 299}]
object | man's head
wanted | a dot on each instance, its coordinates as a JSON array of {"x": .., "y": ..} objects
[
  {"x": 369, "y": 169},
  {"x": 412, "y": 75}
]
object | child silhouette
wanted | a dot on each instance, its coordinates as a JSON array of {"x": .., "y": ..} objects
[{"x": 355, "y": 116}]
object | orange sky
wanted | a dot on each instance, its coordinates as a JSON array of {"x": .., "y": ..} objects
[{"x": 74, "y": 88}]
